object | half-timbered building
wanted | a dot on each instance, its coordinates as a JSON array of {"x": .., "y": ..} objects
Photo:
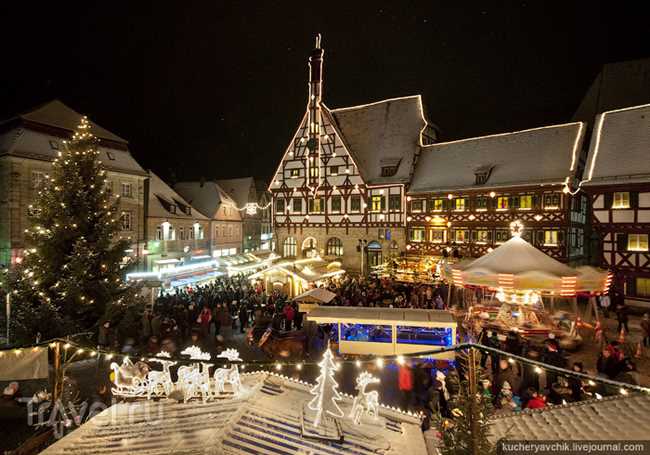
[
  {"x": 617, "y": 179},
  {"x": 339, "y": 189},
  {"x": 464, "y": 194}
]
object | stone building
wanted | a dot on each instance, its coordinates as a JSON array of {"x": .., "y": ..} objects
[
  {"x": 225, "y": 220},
  {"x": 175, "y": 231},
  {"x": 29, "y": 143}
]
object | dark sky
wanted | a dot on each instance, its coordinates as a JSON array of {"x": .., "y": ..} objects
[{"x": 216, "y": 89}]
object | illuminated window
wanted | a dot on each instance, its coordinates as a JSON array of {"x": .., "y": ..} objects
[
  {"x": 313, "y": 171},
  {"x": 433, "y": 336},
  {"x": 551, "y": 201},
  {"x": 334, "y": 170},
  {"x": 438, "y": 235},
  {"x": 526, "y": 202},
  {"x": 355, "y": 203},
  {"x": 279, "y": 205},
  {"x": 437, "y": 205},
  {"x": 316, "y": 205},
  {"x": 417, "y": 205},
  {"x": 416, "y": 234},
  {"x": 376, "y": 203},
  {"x": 336, "y": 204},
  {"x": 621, "y": 200},
  {"x": 637, "y": 242},
  {"x": 181, "y": 233},
  {"x": 297, "y": 204},
  {"x": 550, "y": 238},
  {"x": 503, "y": 203},
  {"x": 126, "y": 221},
  {"x": 460, "y": 235},
  {"x": 171, "y": 233},
  {"x": 289, "y": 247},
  {"x": 395, "y": 202},
  {"x": 459, "y": 204},
  {"x": 295, "y": 173},
  {"x": 643, "y": 287},
  {"x": 159, "y": 233},
  {"x": 334, "y": 247}
]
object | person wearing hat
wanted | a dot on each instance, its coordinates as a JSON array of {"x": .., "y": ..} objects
[{"x": 645, "y": 328}]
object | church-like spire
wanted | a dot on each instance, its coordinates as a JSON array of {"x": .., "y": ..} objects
[{"x": 316, "y": 72}]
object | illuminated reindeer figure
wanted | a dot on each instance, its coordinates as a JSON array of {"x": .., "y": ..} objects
[
  {"x": 229, "y": 375},
  {"x": 367, "y": 402},
  {"x": 194, "y": 380},
  {"x": 159, "y": 383}
]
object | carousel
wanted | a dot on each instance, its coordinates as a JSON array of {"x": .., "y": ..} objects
[{"x": 506, "y": 290}]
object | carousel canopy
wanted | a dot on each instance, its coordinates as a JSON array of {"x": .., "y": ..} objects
[
  {"x": 517, "y": 265},
  {"x": 317, "y": 295}
]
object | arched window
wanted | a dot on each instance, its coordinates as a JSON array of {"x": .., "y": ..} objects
[
  {"x": 289, "y": 247},
  {"x": 334, "y": 247},
  {"x": 309, "y": 248}
]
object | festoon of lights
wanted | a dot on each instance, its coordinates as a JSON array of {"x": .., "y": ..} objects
[{"x": 251, "y": 208}]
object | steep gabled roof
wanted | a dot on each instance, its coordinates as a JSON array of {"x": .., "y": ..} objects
[
  {"x": 620, "y": 147},
  {"x": 239, "y": 189},
  {"x": 382, "y": 132},
  {"x": 546, "y": 155},
  {"x": 207, "y": 197},
  {"x": 160, "y": 192},
  {"x": 618, "y": 85},
  {"x": 58, "y": 115}
]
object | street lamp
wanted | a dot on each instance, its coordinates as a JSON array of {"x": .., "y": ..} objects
[
  {"x": 362, "y": 248},
  {"x": 196, "y": 227}
]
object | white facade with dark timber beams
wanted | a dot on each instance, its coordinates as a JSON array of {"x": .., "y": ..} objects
[{"x": 342, "y": 179}]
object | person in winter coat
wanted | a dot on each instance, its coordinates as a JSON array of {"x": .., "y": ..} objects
[
  {"x": 104, "y": 335},
  {"x": 575, "y": 383},
  {"x": 289, "y": 314},
  {"x": 536, "y": 401},
  {"x": 607, "y": 364},
  {"x": 622, "y": 318},
  {"x": 243, "y": 317},
  {"x": 204, "y": 321},
  {"x": 156, "y": 321},
  {"x": 405, "y": 383}
]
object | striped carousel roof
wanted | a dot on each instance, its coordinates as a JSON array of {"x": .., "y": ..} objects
[{"x": 266, "y": 419}]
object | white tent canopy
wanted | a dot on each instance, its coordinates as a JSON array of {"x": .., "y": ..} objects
[
  {"x": 519, "y": 266},
  {"x": 316, "y": 295}
]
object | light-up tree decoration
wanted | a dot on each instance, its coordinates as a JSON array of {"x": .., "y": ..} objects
[{"x": 325, "y": 391}]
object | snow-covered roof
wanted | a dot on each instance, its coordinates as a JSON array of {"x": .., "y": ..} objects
[
  {"x": 59, "y": 115},
  {"x": 39, "y": 145},
  {"x": 320, "y": 295},
  {"x": 546, "y": 155},
  {"x": 620, "y": 147},
  {"x": 265, "y": 419},
  {"x": 325, "y": 314},
  {"x": 385, "y": 133},
  {"x": 206, "y": 197},
  {"x": 162, "y": 198},
  {"x": 616, "y": 418},
  {"x": 239, "y": 189}
]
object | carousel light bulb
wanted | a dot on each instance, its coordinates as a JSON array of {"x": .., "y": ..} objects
[
  {"x": 380, "y": 362},
  {"x": 278, "y": 366},
  {"x": 591, "y": 383},
  {"x": 357, "y": 363},
  {"x": 492, "y": 194}
]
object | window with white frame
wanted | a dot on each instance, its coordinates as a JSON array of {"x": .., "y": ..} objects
[
  {"x": 437, "y": 235},
  {"x": 637, "y": 242},
  {"x": 127, "y": 189},
  {"x": 159, "y": 233},
  {"x": 416, "y": 234},
  {"x": 126, "y": 221},
  {"x": 181, "y": 233},
  {"x": 621, "y": 200},
  {"x": 460, "y": 235}
]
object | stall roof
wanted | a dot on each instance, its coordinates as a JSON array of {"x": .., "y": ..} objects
[
  {"x": 316, "y": 295},
  {"x": 265, "y": 419},
  {"x": 617, "y": 418},
  {"x": 328, "y": 314}
]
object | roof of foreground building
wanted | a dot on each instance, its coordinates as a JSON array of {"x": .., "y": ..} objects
[
  {"x": 267, "y": 418},
  {"x": 164, "y": 202},
  {"x": 617, "y": 418}
]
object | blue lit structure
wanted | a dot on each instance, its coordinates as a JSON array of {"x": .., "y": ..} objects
[{"x": 388, "y": 331}]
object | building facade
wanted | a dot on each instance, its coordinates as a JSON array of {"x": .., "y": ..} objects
[
  {"x": 617, "y": 180},
  {"x": 339, "y": 190},
  {"x": 265, "y": 202},
  {"x": 225, "y": 220},
  {"x": 464, "y": 194},
  {"x": 28, "y": 145},
  {"x": 176, "y": 233}
]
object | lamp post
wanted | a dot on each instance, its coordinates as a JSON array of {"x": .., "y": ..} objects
[{"x": 362, "y": 250}]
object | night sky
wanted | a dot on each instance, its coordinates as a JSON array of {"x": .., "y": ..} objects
[{"x": 216, "y": 89}]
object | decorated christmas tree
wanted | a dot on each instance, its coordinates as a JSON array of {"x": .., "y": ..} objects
[
  {"x": 325, "y": 391},
  {"x": 72, "y": 264}
]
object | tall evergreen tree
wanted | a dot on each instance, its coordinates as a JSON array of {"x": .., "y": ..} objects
[{"x": 72, "y": 265}]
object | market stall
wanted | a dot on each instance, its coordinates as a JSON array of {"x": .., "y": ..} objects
[
  {"x": 313, "y": 298},
  {"x": 505, "y": 289}
]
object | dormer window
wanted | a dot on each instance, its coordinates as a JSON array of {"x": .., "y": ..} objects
[
  {"x": 389, "y": 166},
  {"x": 482, "y": 174},
  {"x": 388, "y": 171}
]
